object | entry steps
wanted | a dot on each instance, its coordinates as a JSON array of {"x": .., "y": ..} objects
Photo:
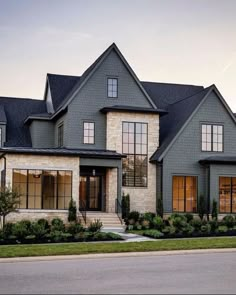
[{"x": 110, "y": 221}]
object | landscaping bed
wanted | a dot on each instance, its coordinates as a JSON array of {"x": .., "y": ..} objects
[
  {"x": 180, "y": 226},
  {"x": 38, "y": 232}
]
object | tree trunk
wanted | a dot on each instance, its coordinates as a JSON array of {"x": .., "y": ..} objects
[{"x": 3, "y": 221}]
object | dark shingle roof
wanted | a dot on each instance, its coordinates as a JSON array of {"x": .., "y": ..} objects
[
  {"x": 60, "y": 86},
  {"x": 16, "y": 111},
  {"x": 178, "y": 114}
]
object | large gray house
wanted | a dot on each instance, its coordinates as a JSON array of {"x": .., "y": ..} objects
[{"x": 96, "y": 136}]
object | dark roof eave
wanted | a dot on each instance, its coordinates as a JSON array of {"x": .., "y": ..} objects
[
  {"x": 219, "y": 162},
  {"x": 53, "y": 116},
  {"x": 133, "y": 110},
  {"x": 62, "y": 154}
]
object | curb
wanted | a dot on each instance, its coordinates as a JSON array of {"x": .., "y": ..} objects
[{"x": 115, "y": 255}]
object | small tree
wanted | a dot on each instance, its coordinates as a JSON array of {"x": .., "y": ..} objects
[
  {"x": 214, "y": 212},
  {"x": 125, "y": 204},
  {"x": 201, "y": 207},
  {"x": 160, "y": 207},
  {"x": 72, "y": 211},
  {"x": 9, "y": 200}
]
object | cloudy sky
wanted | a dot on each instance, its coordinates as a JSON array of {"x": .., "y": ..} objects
[{"x": 179, "y": 41}]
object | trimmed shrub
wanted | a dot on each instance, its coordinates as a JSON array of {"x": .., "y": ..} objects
[
  {"x": 43, "y": 222},
  {"x": 158, "y": 223},
  {"x": 169, "y": 230},
  {"x": 57, "y": 225},
  {"x": 20, "y": 230},
  {"x": 196, "y": 223},
  {"x": 145, "y": 224},
  {"x": 75, "y": 228},
  {"x": 201, "y": 207},
  {"x": 214, "y": 225},
  {"x": 160, "y": 207},
  {"x": 179, "y": 223},
  {"x": 95, "y": 226},
  {"x": 222, "y": 229},
  {"x": 153, "y": 233},
  {"x": 7, "y": 231},
  {"x": 113, "y": 236},
  {"x": 134, "y": 215},
  {"x": 229, "y": 221},
  {"x": 206, "y": 228},
  {"x": 214, "y": 212},
  {"x": 38, "y": 230},
  {"x": 72, "y": 211},
  {"x": 125, "y": 204},
  {"x": 188, "y": 216}
]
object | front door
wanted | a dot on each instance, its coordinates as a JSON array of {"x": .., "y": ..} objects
[{"x": 90, "y": 192}]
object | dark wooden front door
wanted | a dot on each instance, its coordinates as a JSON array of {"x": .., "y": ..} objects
[{"x": 90, "y": 192}]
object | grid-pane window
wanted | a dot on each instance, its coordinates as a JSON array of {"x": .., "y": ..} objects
[
  {"x": 185, "y": 194},
  {"x": 43, "y": 189},
  {"x": 212, "y": 138},
  {"x": 60, "y": 135},
  {"x": 227, "y": 192},
  {"x": 112, "y": 87},
  {"x": 89, "y": 132},
  {"x": 135, "y": 147}
]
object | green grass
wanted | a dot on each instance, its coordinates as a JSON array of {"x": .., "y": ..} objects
[{"x": 88, "y": 248}]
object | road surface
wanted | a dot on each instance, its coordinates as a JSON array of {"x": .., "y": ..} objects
[{"x": 183, "y": 274}]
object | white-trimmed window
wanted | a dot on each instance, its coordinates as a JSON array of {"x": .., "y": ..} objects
[
  {"x": 112, "y": 87},
  {"x": 89, "y": 131},
  {"x": 212, "y": 138}
]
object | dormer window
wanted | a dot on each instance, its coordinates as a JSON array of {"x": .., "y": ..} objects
[{"x": 112, "y": 87}]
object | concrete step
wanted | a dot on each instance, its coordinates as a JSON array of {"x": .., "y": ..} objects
[
  {"x": 107, "y": 219},
  {"x": 113, "y": 229}
]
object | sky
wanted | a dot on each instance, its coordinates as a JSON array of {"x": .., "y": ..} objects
[{"x": 173, "y": 41}]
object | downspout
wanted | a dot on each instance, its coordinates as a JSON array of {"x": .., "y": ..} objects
[{"x": 209, "y": 192}]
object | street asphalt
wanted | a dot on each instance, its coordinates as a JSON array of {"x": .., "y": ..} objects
[{"x": 206, "y": 273}]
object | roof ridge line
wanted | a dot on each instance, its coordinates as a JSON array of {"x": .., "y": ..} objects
[
  {"x": 168, "y": 83},
  {"x": 189, "y": 96}
]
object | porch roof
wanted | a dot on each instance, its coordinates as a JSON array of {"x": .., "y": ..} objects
[
  {"x": 227, "y": 160},
  {"x": 83, "y": 153}
]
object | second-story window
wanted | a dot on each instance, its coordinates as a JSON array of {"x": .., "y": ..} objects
[
  {"x": 60, "y": 135},
  {"x": 112, "y": 87},
  {"x": 212, "y": 138},
  {"x": 89, "y": 132},
  {"x": 136, "y": 148}
]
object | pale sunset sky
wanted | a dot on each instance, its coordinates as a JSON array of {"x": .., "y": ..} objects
[{"x": 178, "y": 41}]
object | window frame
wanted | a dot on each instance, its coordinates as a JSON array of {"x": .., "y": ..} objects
[
  {"x": 231, "y": 196},
  {"x": 60, "y": 135},
  {"x": 212, "y": 134},
  {"x": 84, "y": 122},
  {"x": 42, "y": 184},
  {"x": 134, "y": 155},
  {"x": 112, "y": 78},
  {"x": 185, "y": 176}
]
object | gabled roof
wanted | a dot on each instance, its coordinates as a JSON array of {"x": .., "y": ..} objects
[
  {"x": 16, "y": 111},
  {"x": 60, "y": 86},
  {"x": 70, "y": 93},
  {"x": 179, "y": 114}
]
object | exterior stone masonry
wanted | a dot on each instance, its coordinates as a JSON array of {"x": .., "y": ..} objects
[
  {"x": 141, "y": 199},
  {"x": 111, "y": 190},
  {"x": 42, "y": 163}
]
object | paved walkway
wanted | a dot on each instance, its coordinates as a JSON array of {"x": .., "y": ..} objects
[{"x": 134, "y": 238}]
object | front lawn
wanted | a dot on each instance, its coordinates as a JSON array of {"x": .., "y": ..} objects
[{"x": 89, "y": 248}]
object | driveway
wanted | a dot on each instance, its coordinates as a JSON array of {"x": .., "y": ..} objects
[{"x": 182, "y": 274}]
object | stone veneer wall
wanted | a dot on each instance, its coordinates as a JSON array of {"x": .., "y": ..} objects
[
  {"x": 42, "y": 163},
  {"x": 141, "y": 199},
  {"x": 111, "y": 190}
]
